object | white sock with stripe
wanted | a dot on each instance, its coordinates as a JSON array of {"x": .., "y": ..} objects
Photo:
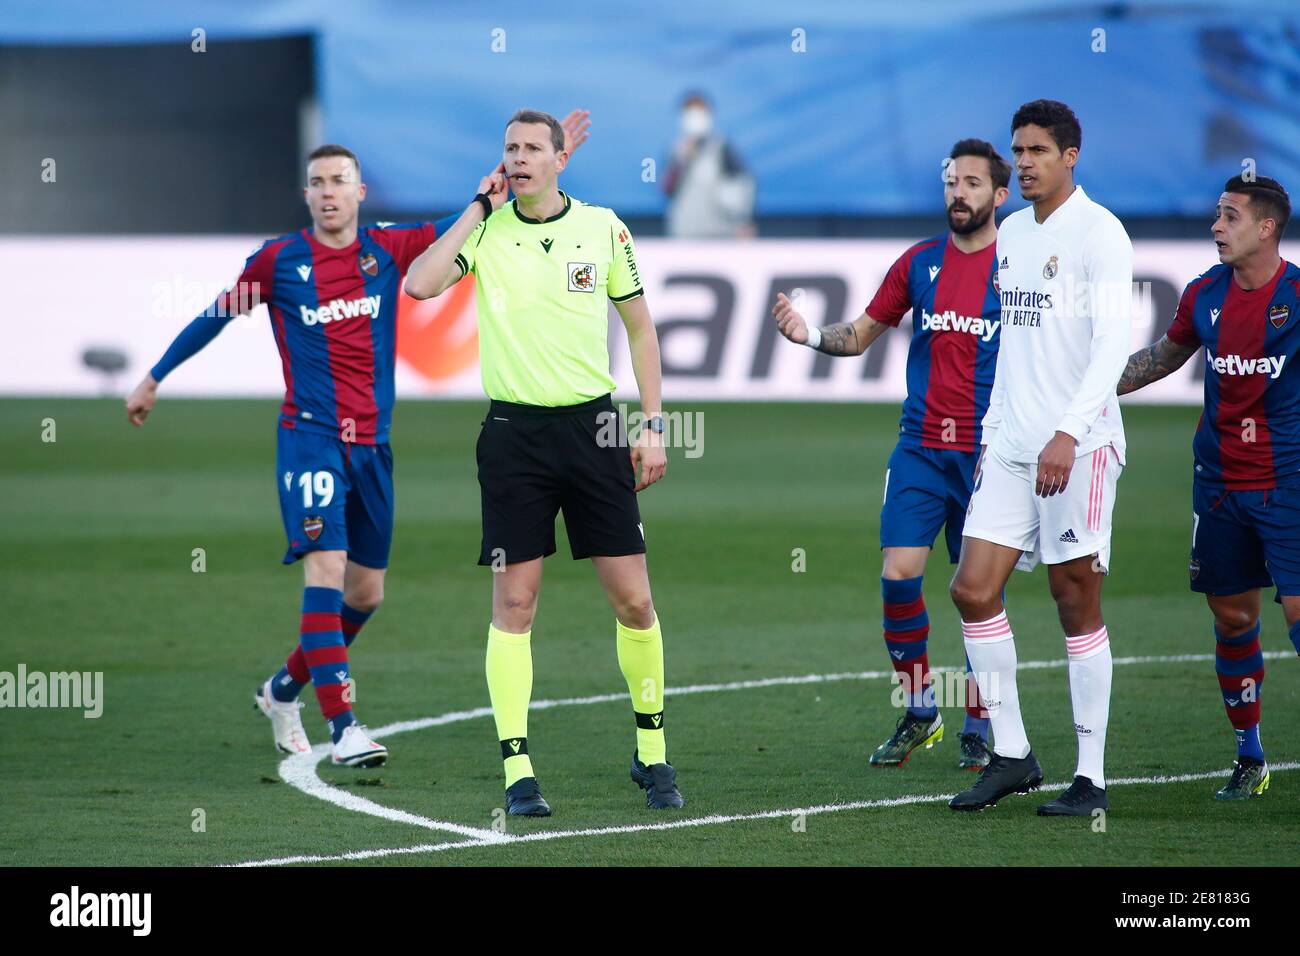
[
  {"x": 991, "y": 647},
  {"x": 1090, "y": 675}
]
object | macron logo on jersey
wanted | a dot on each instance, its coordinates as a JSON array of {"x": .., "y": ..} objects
[
  {"x": 341, "y": 309},
  {"x": 1270, "y": 365},
  {"x": 950, "y": 321}
]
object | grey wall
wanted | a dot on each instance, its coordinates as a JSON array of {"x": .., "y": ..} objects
[{"x": 154, "y": 138}]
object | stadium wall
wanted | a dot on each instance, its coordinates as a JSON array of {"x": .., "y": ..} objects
[{"x": 710, "y": 301}]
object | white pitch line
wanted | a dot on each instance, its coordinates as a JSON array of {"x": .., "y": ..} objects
[
  {"x": 423, "y": 723},
  {"x": 299, "y": 770},
  {"x": 716, "y": 819},
  {"x": 362, "y": 854}
]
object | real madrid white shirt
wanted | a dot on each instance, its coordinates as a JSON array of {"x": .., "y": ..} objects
[{"x": 1066, "y": 294}]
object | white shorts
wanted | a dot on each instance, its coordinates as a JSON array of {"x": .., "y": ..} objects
[{"x": 1070, "y": 524}]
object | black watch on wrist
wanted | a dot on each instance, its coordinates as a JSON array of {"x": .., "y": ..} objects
[
  {"x": 483, "y": 200},
  {"x": 655, "y": 424}
]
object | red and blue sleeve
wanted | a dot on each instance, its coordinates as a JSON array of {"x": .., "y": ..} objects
[
  {"x": 894, "y": 297},
  {"x": 405, "y": 243},
  {"x": 1183, "y": 330}
]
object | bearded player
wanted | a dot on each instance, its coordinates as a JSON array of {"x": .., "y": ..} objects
[
  {"x": 950, "y": 285},
  {"x": 332, "y": 292},
  {"x": 1246, "y": 483}
]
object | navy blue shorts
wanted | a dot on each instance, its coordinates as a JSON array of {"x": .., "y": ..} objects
[
  {"x": 1242, "y": 540},
  {"x": 925, "y": 489},
  {"x": 335, "y": 496}
]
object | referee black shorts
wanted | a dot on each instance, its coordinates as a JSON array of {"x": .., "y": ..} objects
[{"x": 534, "y": 461}]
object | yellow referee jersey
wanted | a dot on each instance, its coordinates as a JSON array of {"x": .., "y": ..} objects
[{"x": 543, "y": 293}]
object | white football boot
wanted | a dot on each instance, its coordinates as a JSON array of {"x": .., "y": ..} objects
[
  {"x": 286, "y": 724},
  {"x": 356, "y": 749}
]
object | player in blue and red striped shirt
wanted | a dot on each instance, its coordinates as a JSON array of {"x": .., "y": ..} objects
[
  {"x": 332, "y": 292},
  {"x": 1246, "y": 484},
  {"x": 950, "y": 285}
]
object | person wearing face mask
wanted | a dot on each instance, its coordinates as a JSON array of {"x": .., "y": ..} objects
[{"x": 711, "y": 194}]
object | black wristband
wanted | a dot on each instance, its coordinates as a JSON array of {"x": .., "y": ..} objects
[{"x": 483, "y": 200}]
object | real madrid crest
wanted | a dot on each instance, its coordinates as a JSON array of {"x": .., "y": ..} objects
[
  {"x": 1049, "y": 270},
  {"x": 1278, "y": 314}
]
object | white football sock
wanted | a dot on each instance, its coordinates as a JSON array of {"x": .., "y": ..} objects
[
  {"x": 992, "y": 650},
  {"x": 1090, "y": 673}
]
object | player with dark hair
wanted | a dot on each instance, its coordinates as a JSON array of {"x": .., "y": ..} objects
[
  {"x": 547, "y": 267},
  {"x": 949, "y": 283},
  {"x": 1055, "y": 119},
  {"x": 332, "y": 292},
  {"x": 1065, "y": 271},
  {"x": 1246, "y": 483}
]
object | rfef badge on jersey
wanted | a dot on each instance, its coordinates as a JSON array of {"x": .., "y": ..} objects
[{"x": 582, "y": 277}]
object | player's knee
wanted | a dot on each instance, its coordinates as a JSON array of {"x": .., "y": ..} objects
[
  {"x": 516, "y": 610},
  {"x": 1232, "y": 620},
  {"x": 636, "y": 612},
  {"x": 1078, "y": 609},
  {"x": 900, "y": 569},
  {"x": 1291, "y": 610},
  {"x": 1079, "y": 618},
  {"x": 1064, "y": 590},
  {"x": 974, "y": 601},
  {"x": 365, "y": 599},
  {"x": 325, "y": 569}
]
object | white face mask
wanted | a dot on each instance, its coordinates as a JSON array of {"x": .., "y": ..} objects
[{"x": 696, "y": 121}]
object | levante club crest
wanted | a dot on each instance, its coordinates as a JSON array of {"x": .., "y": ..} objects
[
  {"x": 369, "y": 264},
  {"x": 1278, "y": 315},
  {"x": 312, "y": 527}
]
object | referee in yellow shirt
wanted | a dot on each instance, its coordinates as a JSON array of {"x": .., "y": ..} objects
[{"x": 547, "y": 265}]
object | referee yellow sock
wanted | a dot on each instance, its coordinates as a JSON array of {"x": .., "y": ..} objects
[
  {"x": 510, "y": 685},
  {"x": 641, "y": 658}
]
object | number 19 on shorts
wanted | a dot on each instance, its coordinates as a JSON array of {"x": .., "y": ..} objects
[{"x": 317, "y": 483}]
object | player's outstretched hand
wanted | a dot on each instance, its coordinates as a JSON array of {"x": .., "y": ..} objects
[
  {"x": 789, "y": 321},
  {"x": 1054, "y": 465},
  {"x": 495, "y": 186},
  {"x": 140, "y": 402},
  {"x": 649, "y": 460},
  {"x": 575, "y": 127}
]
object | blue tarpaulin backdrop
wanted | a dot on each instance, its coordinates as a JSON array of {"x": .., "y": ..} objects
[{"x": 855, "y": 124}]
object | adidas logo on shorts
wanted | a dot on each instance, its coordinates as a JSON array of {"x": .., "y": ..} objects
[{"x": 1068, "y": 537}]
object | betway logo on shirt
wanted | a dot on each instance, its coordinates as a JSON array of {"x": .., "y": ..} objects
[
  {"x": 950, "y": 321},
  {"x": 340, "y": 309},
  {"x": 1270, "y": 365}
]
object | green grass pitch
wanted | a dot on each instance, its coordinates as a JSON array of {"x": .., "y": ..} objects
[{"x": 99, "y": 531}]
